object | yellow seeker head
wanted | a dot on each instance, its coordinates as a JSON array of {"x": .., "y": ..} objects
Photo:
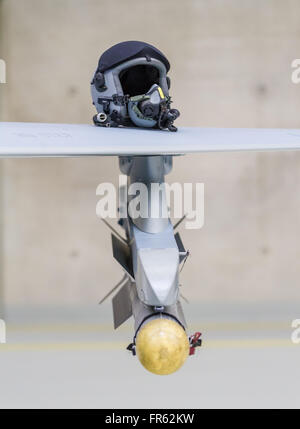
[{"x": 162, "y": 346}]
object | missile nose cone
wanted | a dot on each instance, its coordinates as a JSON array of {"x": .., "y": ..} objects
[{"x": 162, "y": 346}]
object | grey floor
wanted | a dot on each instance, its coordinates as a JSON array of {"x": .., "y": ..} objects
[{"x": 62, "y": 358}]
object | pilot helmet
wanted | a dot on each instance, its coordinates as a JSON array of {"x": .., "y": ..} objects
[{"x": 130, "y": 87}]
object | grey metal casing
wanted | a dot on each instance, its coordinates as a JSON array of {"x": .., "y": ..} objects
[
  {"x": 156, "y": 266},
  {"x": 148, "y": 170},
  {"x": 143, "y": 313},
  {"x": 154, "y": 250}
]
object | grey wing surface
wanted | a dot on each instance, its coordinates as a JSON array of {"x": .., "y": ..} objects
[{"x": 59, "y": 140}]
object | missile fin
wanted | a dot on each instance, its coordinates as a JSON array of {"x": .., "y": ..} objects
[
  {"x": 180, "y": 246},
  {"x": 122, "y": 307},
  {"x": 122, "y": 254}
]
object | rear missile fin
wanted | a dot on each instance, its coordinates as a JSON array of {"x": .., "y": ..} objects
[
  {"x": 122, "y": 255},
  {"x": 179, "y": 222},
  {"x": 184, "y": 298},
  {"x": 114, "y": 288},
  {"x": 184, "y": 260},
  {"x": 122, "y": 307},
  {"x": 182, "y": 251},
  {"x": 114, "y": 231}
]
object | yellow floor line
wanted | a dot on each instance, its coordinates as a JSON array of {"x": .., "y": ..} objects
[
  {"x": 101, "y": 345},
  {"x": 114, "y": 345},
  {"x": 108, "y": 327}
]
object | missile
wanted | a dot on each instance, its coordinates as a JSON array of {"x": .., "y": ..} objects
[
  {"x": 160, "y": 341},
  {"x": 150, "y": 257}
]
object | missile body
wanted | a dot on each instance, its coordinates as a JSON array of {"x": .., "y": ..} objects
[{"x": 151, "y": 259}]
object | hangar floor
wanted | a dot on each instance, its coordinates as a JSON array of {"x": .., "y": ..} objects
[{"x": 62, "y": 358}]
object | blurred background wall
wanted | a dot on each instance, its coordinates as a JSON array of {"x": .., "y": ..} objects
[{"x": 230, "y": 67}]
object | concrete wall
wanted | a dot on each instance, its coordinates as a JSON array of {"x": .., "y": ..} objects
[{"x": 231, "y": 66}]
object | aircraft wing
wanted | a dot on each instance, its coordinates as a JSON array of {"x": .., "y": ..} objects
[{"x": 59, "y": 140}]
